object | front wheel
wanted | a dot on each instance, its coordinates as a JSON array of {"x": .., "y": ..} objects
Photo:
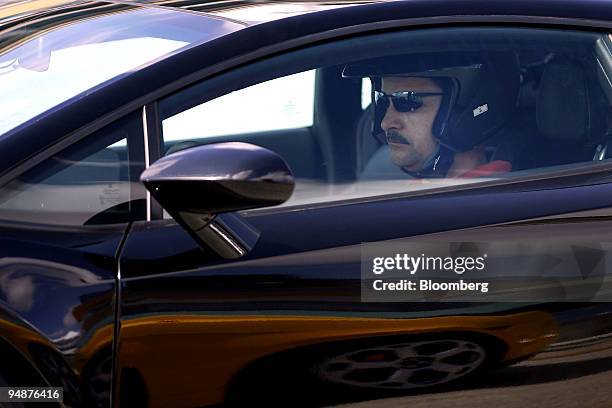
[
  {"x": 362, "y": 369},
  {"x": 403, "y": 365}
]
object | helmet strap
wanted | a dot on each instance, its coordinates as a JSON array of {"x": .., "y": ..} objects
[{"x": 439, "y": 123}]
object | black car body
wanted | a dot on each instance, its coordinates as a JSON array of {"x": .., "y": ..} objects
[{"x": 125, "y": 304}]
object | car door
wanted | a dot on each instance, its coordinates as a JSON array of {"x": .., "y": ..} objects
[
  {"x": 199, "y": 328},
  {"x": 62, "y": 222}
]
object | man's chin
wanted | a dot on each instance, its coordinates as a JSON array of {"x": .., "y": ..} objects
[{"x": 399, "y": 156}]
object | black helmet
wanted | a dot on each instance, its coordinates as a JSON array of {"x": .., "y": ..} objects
[{"x": 480, "y": 90}]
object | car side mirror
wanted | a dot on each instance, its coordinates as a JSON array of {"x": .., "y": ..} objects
[{"x": 197, "y": 184}]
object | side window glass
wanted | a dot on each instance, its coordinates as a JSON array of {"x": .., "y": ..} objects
[
  {"x": 410, "y": 111},
  {"x": 366, "y": 93},
  {"x": 91, "y": 183},
  {"x": 280, "y": 104}
]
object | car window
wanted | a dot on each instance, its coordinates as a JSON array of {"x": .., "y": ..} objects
[
  {"x": 451, "y": 107},
  {"x": 366, "y": 93},
  {"x": 93, "y": 182},
  {"x": 279, "y": 104}
]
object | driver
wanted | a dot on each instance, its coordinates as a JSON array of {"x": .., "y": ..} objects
[{"x": 435, "y": 110}]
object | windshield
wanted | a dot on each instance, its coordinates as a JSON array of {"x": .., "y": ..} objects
[{"x": 45, "y": 65}]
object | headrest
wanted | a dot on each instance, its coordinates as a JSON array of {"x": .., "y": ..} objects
[{"x": 570, "y": 104}]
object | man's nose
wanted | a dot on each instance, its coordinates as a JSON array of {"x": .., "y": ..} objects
[{"x": 390, "y": 120}]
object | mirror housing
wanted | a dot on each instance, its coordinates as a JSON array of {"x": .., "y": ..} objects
[{"x": 196, "y": 184}]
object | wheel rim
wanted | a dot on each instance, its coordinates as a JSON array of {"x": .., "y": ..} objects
[{"x": 404, "y": 365}]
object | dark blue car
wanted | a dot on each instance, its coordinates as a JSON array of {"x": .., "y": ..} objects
[{"x": 304, "y": 203}]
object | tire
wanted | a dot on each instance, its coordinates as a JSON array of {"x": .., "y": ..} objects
[
  {"x": 333, "y": 373},
  {"x": 402, "y": 365}
]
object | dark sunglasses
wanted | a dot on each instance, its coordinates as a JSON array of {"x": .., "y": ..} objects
[{"x": 403, "y": 101}]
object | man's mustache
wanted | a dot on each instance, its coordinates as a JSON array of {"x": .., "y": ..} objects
[{"x": 396, "y": 137}]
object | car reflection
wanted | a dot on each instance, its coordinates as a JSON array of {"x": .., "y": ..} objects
[
  {"x": 319, "y": 360},
  {"x": 231, "y": 349}
]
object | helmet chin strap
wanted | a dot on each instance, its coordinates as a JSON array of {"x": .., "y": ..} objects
[{"x": 437, "y": 165}]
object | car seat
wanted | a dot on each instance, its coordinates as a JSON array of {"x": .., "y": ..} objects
[{"x": 569, "y": 124}]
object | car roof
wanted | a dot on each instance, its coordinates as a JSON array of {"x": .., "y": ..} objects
[
  {"x": 251, "y": 12},
  {"x": 254, "y": 12},
  {"x": 259, "y": 38}
]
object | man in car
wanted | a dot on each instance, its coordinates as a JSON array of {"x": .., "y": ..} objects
[{"x": 436, "y": 110}]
